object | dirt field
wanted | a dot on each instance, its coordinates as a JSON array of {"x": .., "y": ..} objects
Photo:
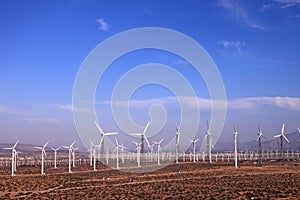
[{"x": 176, "y": 181}]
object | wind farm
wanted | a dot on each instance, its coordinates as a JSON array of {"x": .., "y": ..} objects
[
  {"x": 150, "y": 99},
  {"x": 67, "y": 175}
]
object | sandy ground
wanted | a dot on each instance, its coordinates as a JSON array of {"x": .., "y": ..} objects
[{"x": 175, "y": 181}]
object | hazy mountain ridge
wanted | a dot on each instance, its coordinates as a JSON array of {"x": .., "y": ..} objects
[{"x": 268, "y": 144}]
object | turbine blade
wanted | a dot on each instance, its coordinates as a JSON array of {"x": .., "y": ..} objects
[
  {"x": 116, "y": 141},
  {"x": 285, "y": 138},
  {"x": 16, "y": 144},
  {"x": 100, "y": 130},
  {"x": 45, "y": 144},
  {"x": 147, "y": 141},
  {"x": 112, "y": 133},
  {"x": 276, "y": 136},
  {"x": 207, "y": 125},
  {"x": 146, "y": 128},
  {"x": 177, "y": 129},
  {"x": 161, "y": 140},
  {"x": 102, "y": 138},
  {"x": 299, "y": 130},
  {"x": 72, "y": 144},
  {"x": 137, "y": 134},
  {"x": 282, "y": 129}
]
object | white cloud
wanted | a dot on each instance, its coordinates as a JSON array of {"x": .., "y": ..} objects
[
  {"x": 41, "y": 120},
  {"x": 6, "y": 109},
  {"x": 70, "y": 108},
  {"x": 239, "y": 13},
  {"x": 104, "y": 26},
  {"x": 287, "y": 3},
  {"x": 229, "y": 44},
  {"x": 249, "y": 103}
]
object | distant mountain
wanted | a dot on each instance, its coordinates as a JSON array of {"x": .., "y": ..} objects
[
  {"x": 24, "y": 148},
  {"x": 267, "y": 144}
]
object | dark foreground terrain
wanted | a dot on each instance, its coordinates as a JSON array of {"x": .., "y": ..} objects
[{"x": 176, "y": 181}]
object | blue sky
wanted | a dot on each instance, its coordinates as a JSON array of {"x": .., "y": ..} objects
[{"x": 255, "y": 45}]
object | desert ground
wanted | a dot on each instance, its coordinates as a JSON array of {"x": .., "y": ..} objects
[{"x": 186, "y": 180}]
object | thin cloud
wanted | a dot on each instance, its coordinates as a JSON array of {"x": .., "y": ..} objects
[
  {"x": 239, "y": 13},
  {"x": 104, "y": 26},
  {"x": 41, "y": 120},
  {"x": 6, "y": 109},
  {"x": 287, "y": 3},
  {"x": 250, "y": 103},
  {"x": 229, "y": 44},
  {"x": 70, "y": 108}
]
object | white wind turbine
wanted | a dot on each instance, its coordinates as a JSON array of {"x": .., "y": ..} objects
[
  {"x": 55, "y": 156},
  {"x": 209, "y": 136},
  {"x": 158, "y": 150},
  {"x": 138, "y": 153},
  {"x": 101, "y": 143},
  {"x": 194, "y": 148},
  {"x": 235, "y": 133},
  {"x": 93, "y": 155},
  {"x": 122, "y": 151},
  {"x": 43, "y": 156},
  {"x": 177, "y": 143},
  {"x": 13, "y": 156},
  {"x": 260, "y": 136},
  {"x": 151, "y": 151},
  {"x": 143, "y": 136},
  {"x": 281, "y": 135},
  {"x": 117, "y": 148},
  {"x": 70, "y": 154},
  {"x": 73, "y": 155}
]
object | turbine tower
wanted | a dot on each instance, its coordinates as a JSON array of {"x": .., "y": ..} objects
[
  {"x": 143, "y": 137},
  {"x": 158, "y": 150},
  {"x": 194, "y": 148},
  {"x": 260, "y": 136},
  {"x": 209, "y": 142},
  {"x": 281, "y": 136},
  {"x": 103, "y": 135},
  {"x": 13, "y": 157},
  {"x": 177, "y": 143},
  {"x": 55, "y": 156},
  {"x": 235, "y": 133},
  {"x": 70, "y": 155},
  {"x": 93, "y": 155},
  {"x": 43, "y": 154},
  {"x": 138, "y": 153},
  {"x": 117, "y": 148}
]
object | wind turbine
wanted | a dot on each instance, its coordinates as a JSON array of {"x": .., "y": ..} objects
[
  {"x": 117, "y": 148},
  {"x": 93, "y": 155},
  {"x": 13, "y": 155},
  {"x": 138, "y": 153},
  {"x": 209, "y": 136},
  {"x": 235, "y": 133},
  {"x": 70, "y": 154},
  {"x": 158, "y": 150},
  {"x": 122, "y": 151},
  {"x": 73, "y": 155},
  {"x": 55, "y": 156},
  {"x": 260, "y": 135},
  {"x": 177, "y": 143},
  {"x": 194, "y": 148},
  {"x": 143, "y": 136},
  {"x": 43, "y": 154},
  {"x": 151, "y": 151},
  {"x": 101, "y": 143},
  {"x": 281, "y": 135}
]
